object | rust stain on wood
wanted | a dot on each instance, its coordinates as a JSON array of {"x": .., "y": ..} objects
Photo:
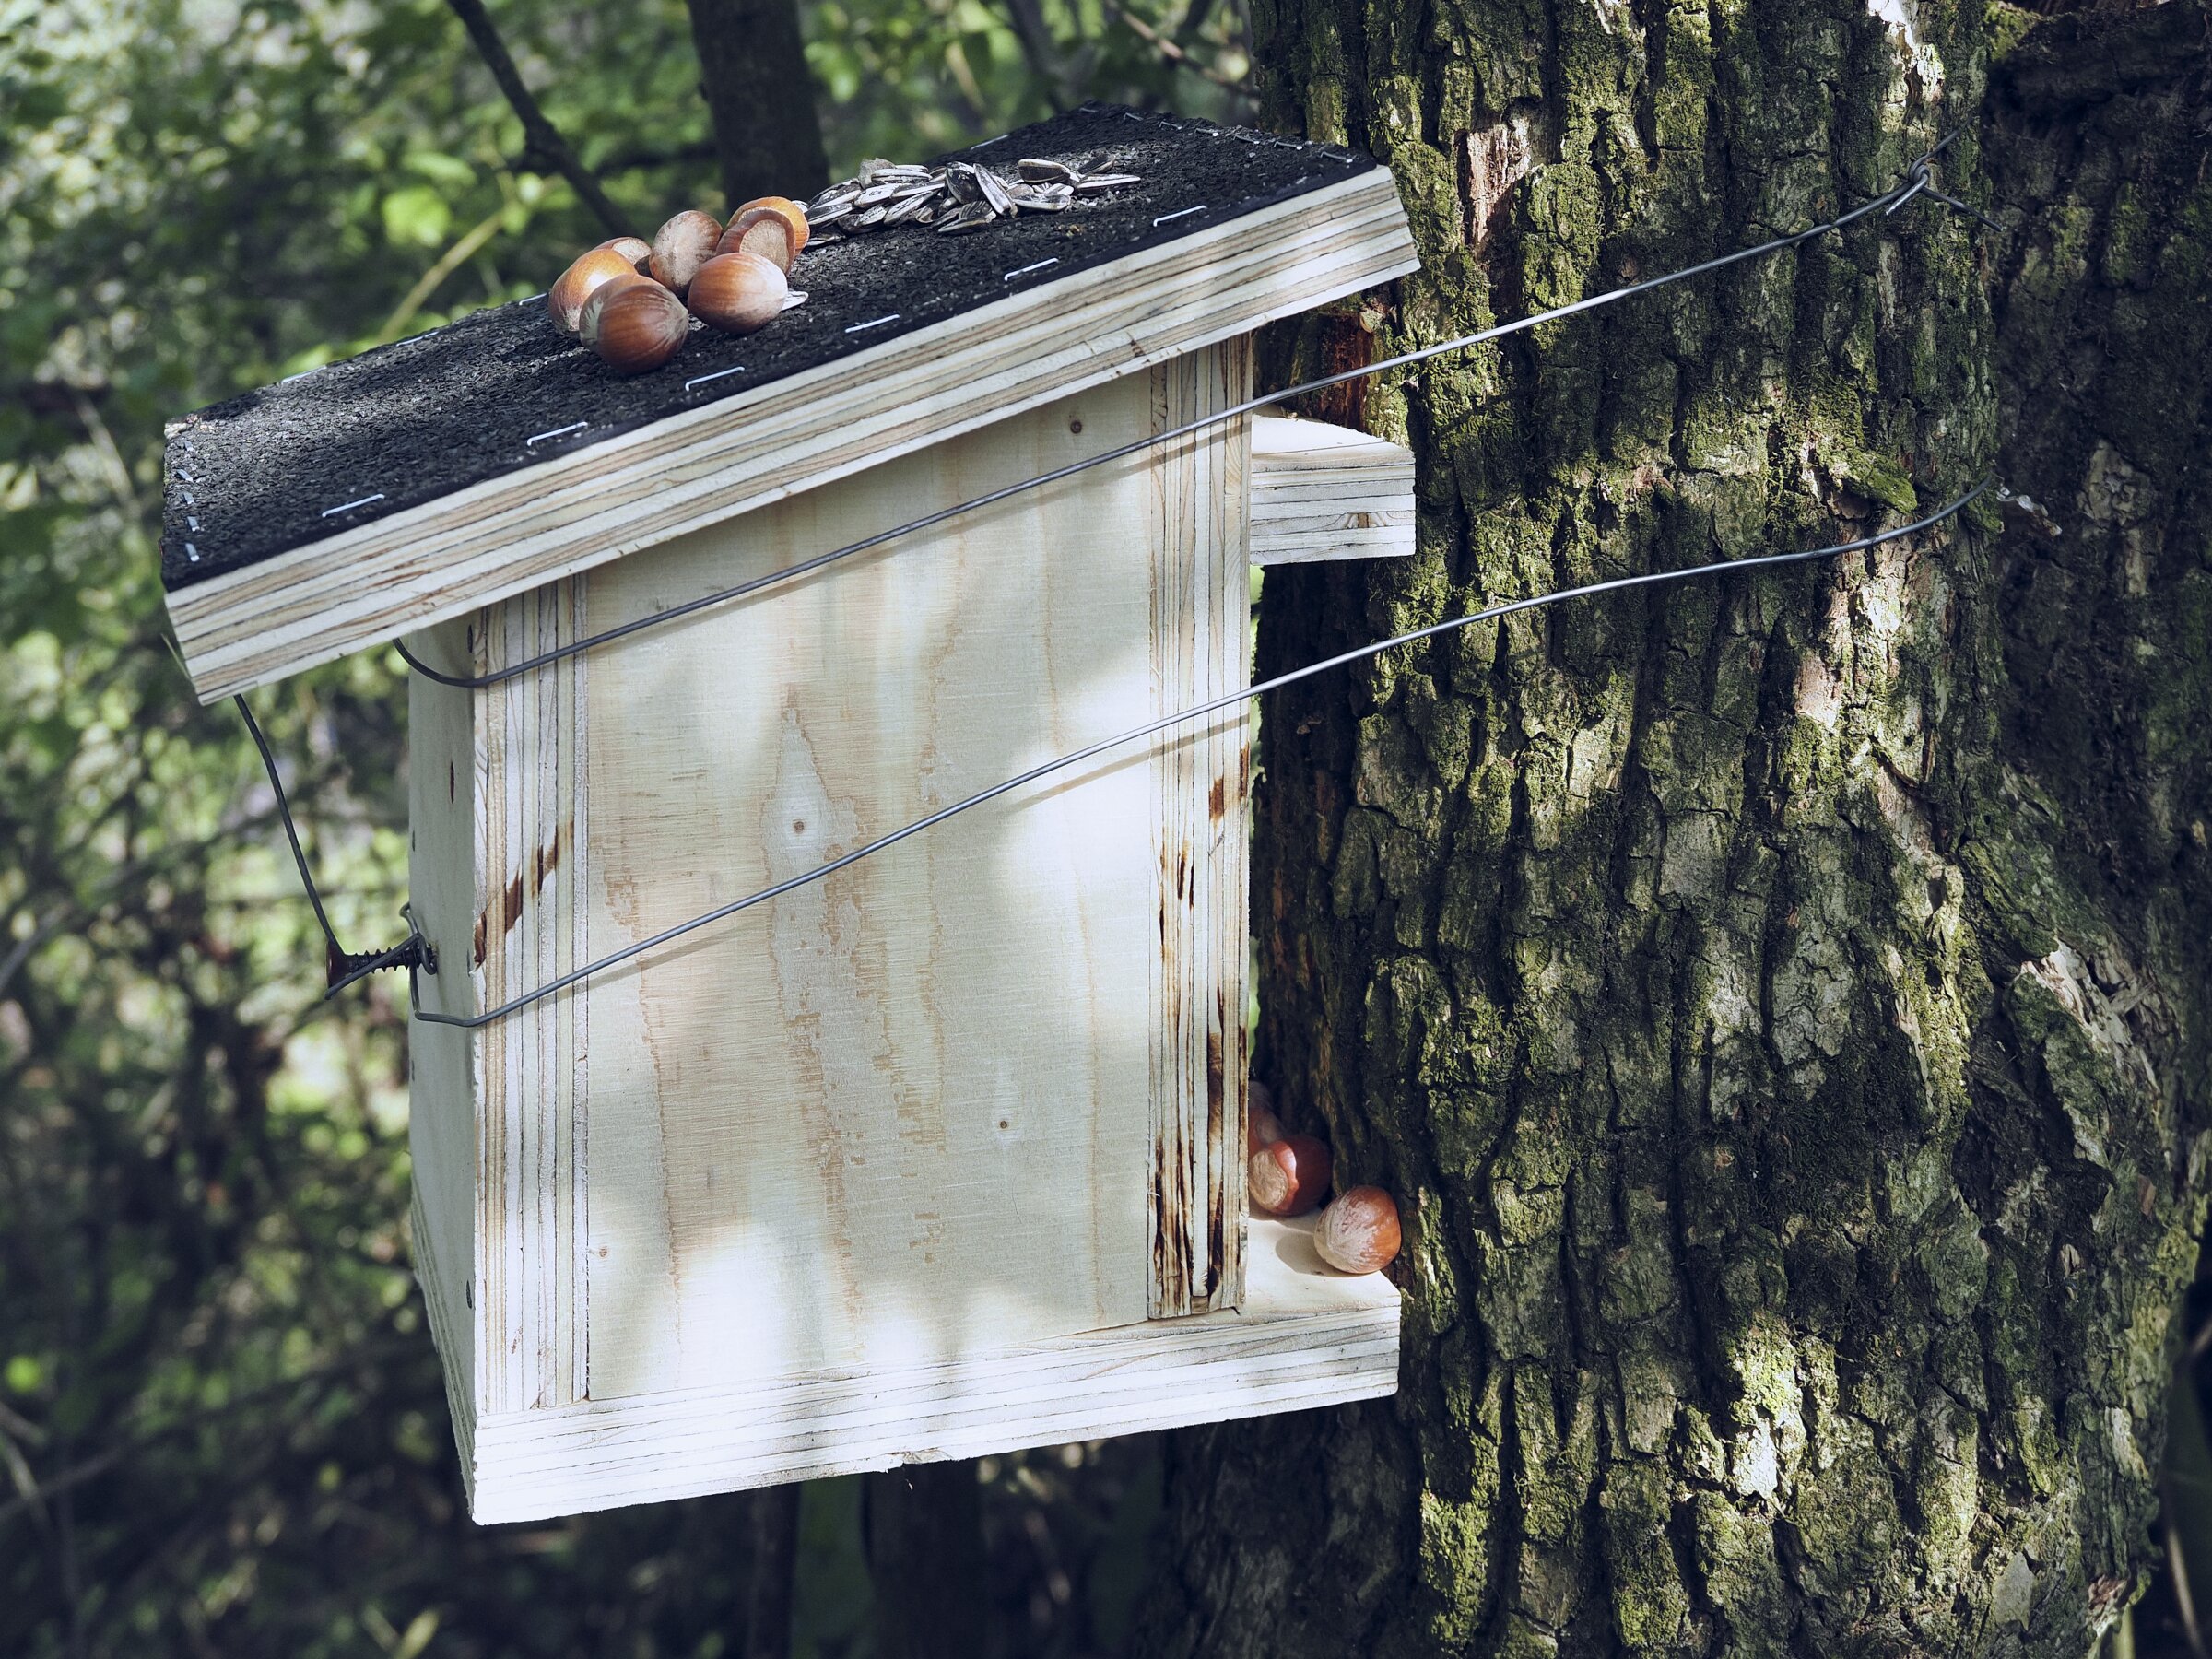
[
  {"x": 544, "y": 859},
  {"x": 1216, "y": 1072},
  {"x": 1216, "y": 1138},
  {"x": 514, "y": 904},
  {"x": 1172, "y": 1205}
]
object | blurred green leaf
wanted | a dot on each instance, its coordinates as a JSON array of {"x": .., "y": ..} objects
[
  {"x": 418, "y": 216},
  {"x": 448, "y": 171}
]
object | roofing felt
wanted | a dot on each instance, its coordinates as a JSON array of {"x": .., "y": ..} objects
[{"x": 282, "y": 468}]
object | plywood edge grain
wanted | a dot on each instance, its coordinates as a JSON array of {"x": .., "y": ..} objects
[
  {"x": 1200, "y": 650},
  {"x": 1305, "y": 1338},
  {"x": 530, "y": 825},
  {"x": 448, "y": 1322},
  {"x": 1323, "y": 492},
  {"x": 443, "y": 790},
  {"x": 509, "y": 533}
]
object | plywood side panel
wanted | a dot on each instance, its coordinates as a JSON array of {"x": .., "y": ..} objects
[
  {"x": 531, "y": 822},
  {"x": 899, "y": 1116},
  {"x": 1196, "y": 1187}
]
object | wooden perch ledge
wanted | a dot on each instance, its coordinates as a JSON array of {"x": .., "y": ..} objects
[{"x": 1326, "y": 492}]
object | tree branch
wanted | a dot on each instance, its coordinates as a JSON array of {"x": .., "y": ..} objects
[
  {"x": 1172, "y": 52},
  {"x": 776, "y": 1545},
  {"x": 640, "y": 161},
  {"x": 74, "y": 1475},
  {"x": 1035, "y": 36},
  {"x": 541, "y": 139},
  {"x": 452, "y": 261},
  {"x": 1195, "y": 21}
]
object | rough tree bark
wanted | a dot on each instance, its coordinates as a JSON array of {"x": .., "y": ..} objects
[
  {"x": 753, "y": 75},
  {"x": 922, "y": 1524},
  {"x": 1783, "y": 1005}
]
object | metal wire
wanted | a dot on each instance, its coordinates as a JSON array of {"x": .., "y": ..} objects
[
  {"x": 342, "y": 968},
  {"x": 291, "y": 833},
  {"x": 415, "y": 953},
  {"x": 1231, "y": 700},
  {"x": 1916, "y": 180}
]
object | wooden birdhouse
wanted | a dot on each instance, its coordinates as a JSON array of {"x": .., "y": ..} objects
[{"x": 942, "y": 1153}]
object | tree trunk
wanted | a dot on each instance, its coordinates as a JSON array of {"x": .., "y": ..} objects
[
  {"x": 772, "y": 1549},
  {"x": 923, "y": 1524},
  {"x": 753, "y": 75},
  {"x": 1783, "y": 1004}
]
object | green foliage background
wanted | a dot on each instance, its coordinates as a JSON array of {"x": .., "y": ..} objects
[{"x": 221, "y": 1428}]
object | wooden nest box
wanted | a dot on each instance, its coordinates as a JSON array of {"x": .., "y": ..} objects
[{"x": 943, "y": 1154}]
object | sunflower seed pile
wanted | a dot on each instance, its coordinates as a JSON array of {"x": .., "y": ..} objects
[{"x": 956, "y": 197}]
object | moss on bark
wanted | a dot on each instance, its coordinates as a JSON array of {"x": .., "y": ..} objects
[{"x": 1782, "y": 1004}]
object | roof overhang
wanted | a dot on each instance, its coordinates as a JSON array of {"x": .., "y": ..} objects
[{"x": 460, "y": 511}]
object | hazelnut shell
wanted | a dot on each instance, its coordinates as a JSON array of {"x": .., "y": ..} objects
[
  {"x": 565, "y": 298},
  {"x": 681, "y": 246},
  {"x": 635, "y": 249},
  {"x": 762, "y": 231},
  {"x": 1290, "y": 1176},
  {"x": 634, "y": 324},
  {"x": 1359, "y": 1233},
  {"x": 794, "y": 215},
  {"x": 738, "y": 292}
]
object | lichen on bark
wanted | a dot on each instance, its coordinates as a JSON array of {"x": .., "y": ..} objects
[{"x": 1782, "y": 1003}]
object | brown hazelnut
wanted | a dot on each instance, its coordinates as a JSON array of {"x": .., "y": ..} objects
[
  {"x": 794, "y": 215},
  {"x": 763, "y": 231},
  {"x": 738, "y": 292},
  {"x": 1359, "y": 1233},
  {"x": 1262, "y": 1128},
  {"x": 565, "y": 298},
  {"x": 587, "y": 316},
  {"x": 635, "y": 249},
  {"x": 1290, "y": 1176},
  {"x": 681, "y": 246},
  {"x": 634, "y": 324}
]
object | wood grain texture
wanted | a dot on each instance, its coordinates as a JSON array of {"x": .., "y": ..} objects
[
  {"x": 1201, "y": 599},
  {"x": 926, "y": 1120},
  {"x": 497, "y": 805},
  {"x": 1323, "y": 492},
  {"x": 906, "y": 1115},
  {"x": 1305, "y": 1338},
  {"x": 445, "y": 1301},
  {"x": 519, "y": 531},
  {"x": 531, "y": 820}
]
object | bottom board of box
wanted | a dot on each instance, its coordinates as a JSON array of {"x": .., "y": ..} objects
[{"x": 1304, "y": 1336}]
